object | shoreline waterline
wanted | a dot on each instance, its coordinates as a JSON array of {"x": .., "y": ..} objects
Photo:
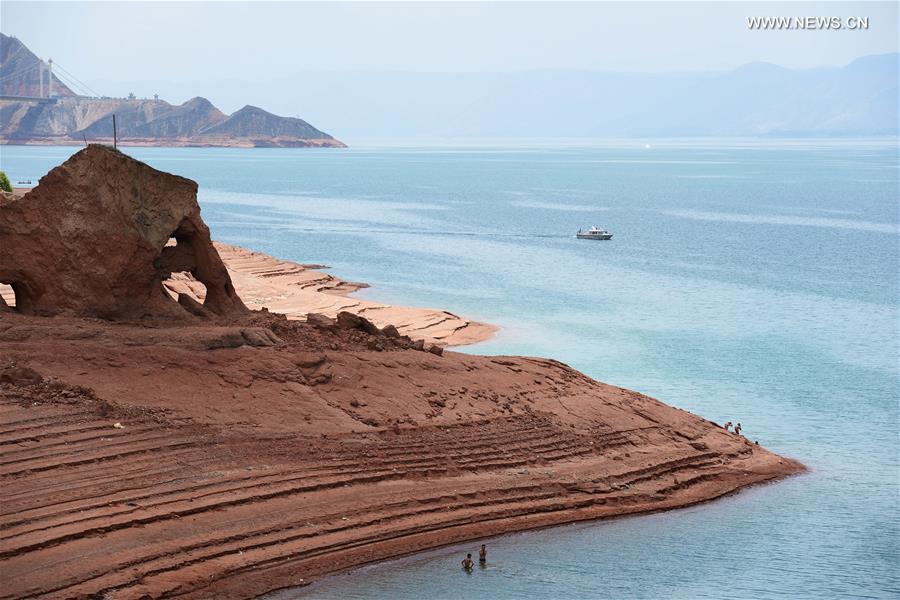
[{"x": 311, "y": 588}]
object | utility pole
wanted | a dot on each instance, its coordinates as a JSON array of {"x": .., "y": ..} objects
[{"x": 115, "y": 137}]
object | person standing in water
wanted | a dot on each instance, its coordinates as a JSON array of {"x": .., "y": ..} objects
[
  {"x": 467, "y": 563},
  {"x": 482, "y": 555}
]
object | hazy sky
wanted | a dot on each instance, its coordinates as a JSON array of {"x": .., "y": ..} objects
[{"x": 257, "y": 40}]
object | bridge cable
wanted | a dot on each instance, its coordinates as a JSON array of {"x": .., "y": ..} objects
[
  {"x": 81, "y": 83},
  {"x": 72, "y": 85},
  {"x": 17, "y": 73}
]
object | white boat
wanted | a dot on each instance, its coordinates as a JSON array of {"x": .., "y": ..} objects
[{"x": 594, "y": 234}]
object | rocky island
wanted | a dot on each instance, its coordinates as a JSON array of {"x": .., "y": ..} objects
[
  {"x": 164, "y": 436},
  {"x": 29, "y": 116}
]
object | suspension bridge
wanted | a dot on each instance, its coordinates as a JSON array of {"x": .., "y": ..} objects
[{"x": 46, "y": 72}]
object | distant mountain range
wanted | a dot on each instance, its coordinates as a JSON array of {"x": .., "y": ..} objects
[
  {"x": 757, "y": 99},
  {"x": 68, "y": 118}
]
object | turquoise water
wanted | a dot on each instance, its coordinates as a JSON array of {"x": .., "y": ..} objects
[{"x": 747, "y": 282}]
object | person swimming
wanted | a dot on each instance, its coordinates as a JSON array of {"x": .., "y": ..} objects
[
  {"x": 482, "y": 555},
  {"x": 467, "y": 563}
]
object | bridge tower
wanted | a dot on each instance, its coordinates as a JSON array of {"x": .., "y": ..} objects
[{"x": 48, "y": 69}]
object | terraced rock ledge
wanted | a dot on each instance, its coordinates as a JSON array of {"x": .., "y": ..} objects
[
  {"x": 295, "y": 290},
  {"x": 207, "y": 450}
]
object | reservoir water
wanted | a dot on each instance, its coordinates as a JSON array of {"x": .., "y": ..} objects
[{"x": 747, "y": 281}]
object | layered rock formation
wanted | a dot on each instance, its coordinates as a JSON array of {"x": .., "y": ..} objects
[
  {"x": 152, "y": 457},
  {"x": 92, "y": 238},
  {"x": 295, "y": 290}
]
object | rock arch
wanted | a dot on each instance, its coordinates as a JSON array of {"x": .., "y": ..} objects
[{"x": 92, "y": 239}]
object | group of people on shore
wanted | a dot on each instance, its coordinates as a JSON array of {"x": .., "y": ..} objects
[
  {"x": 737, "y": 428},
  {"x": 468, "y": 564}
]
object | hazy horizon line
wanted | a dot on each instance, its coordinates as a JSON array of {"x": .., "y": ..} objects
[{"x": 522, "y": 71}]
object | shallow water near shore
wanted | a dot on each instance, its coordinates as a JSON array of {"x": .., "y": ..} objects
[{"x": 751, "y": 282}]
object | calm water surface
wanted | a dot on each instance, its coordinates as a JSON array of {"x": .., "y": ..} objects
[{"x": 746, "y": 282}]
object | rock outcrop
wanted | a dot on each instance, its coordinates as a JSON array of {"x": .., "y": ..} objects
[{"x": 100, "y": 233}]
